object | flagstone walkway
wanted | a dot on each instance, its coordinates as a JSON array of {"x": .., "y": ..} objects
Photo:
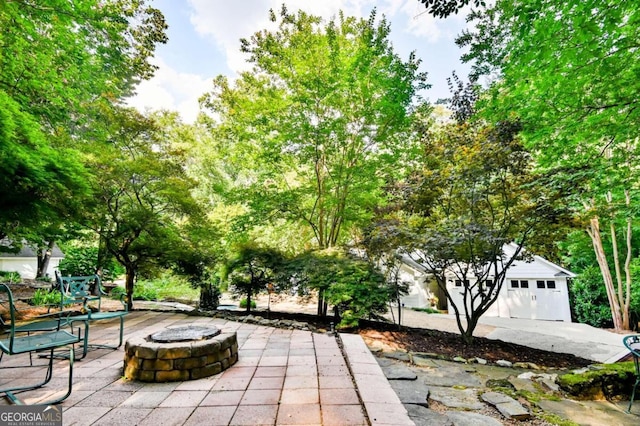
[{"x": 282, "y": 377}]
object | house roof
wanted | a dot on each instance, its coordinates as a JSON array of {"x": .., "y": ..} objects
[
  {"x": 26, "y": 250},
  {"x": 509, "y": 250}
]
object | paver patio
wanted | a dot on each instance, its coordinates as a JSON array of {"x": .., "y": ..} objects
[{"x": 283, "y": 377}]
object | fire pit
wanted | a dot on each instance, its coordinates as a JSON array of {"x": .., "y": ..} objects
[{"x": 180, "y": 353}]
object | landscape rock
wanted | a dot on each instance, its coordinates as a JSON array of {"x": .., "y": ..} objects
[
  {"x": 504, "y": 363},
  {"x": 524, "y": 385},
  {"x": 462, "y": 418},
  {"x": 451, "y": 376},
  {"x": 411, "y": 392},
  {"x": 398, "y": 372},
  {"x": 465, "y": 399},
  {"x": 508, "y": 407},
  {"x": 460, "y": 359},
  {"x": 399, "y": 355},
  {"x": 422, "y": 416},
  {"x": 526, "y": 365}
]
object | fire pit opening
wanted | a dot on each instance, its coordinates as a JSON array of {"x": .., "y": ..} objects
[
  {"x": 180, "y": 353},
  {"x": 184, "y": 334}
]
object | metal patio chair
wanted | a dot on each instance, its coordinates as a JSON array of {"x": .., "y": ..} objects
[
  {"x": 76, "y": 291},
  {"x": 32, "y": 339},
  {"x": 632, "y": 342}
]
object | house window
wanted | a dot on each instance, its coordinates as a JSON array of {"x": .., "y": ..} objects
[
  {"x": 459, "y": 283},
  {"x": 524, "y": 284},
  {"x": 515, "y": 284},
  {"x": 540, "y": 284},
  {"x": 551, "y": 284}
]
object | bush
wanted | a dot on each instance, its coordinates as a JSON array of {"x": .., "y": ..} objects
[
  {"x": 427, "y": 310},
  {"x": 589, "y": 297},
  {"x": 10, "y": 276},
  {"x": 43, "y": 297},
  {"x": 243, "y": 304},
  {"x": 82, "y": 261}
]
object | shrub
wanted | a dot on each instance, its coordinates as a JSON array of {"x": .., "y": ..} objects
[
  {"x": 243, "y": 304},
  {"x": 143, "y": 291},
  {"x": 427, "y": 310},
  {"x": 10, "y": 276},
  {"x": 43, "y": 297},
  {"x": 589, "y": 299},
  {"x": 82, "y": 261}
]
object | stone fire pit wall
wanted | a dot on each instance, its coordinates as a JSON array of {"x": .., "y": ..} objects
[{"x": 148, "y": 361}]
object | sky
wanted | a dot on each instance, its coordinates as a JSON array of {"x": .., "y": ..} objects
[{"x": 204, "y": 42}]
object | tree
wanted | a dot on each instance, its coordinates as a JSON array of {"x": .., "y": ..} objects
[
  {"x": 568, "y": 70},
  {"x": 475, "y": 194},
  {"x": 444, "y": 8},
  {"x": 38, "y": 182},
  {"x": 61, "y": 65},
  {"x": 354, "y": 286},
  {"x": 316, "y": 128},
  {"x": 319, "y": 123},
  {"x": 252, "y": 269},
  {"x": 143, "y": 197}
]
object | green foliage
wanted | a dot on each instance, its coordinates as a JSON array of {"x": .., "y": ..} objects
[
  {"x": 568, "y": 71},
  {"x": 355, "y": 288},
  {"x": 427, "y": 310},
  {"x": 10, "y": 276},
  {"x": 168, "y": 287},
  {"x": 252, "y": 269},
  {"x": 243, "y": 303},
  {"x": 476, "y": 193},
  {"x": 359, "y": 291},
  {"x": 143, "y": 196},
  {"x": 62, "y": 64},
  {"x": 312, "y": 134},
  {"x": 117, "y": 292},
  {"x": 589, "y": 299},
  {"x": 45, "y": 297},
  {"x": 83, "y": 260},
  {"x": 33, "y": 173}
]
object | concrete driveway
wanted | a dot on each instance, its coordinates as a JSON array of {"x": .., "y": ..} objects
[{"x": 555, "y": 336}]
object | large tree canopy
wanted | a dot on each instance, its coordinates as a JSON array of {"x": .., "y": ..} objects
[
  {"x": 319, "y": 124},
  {"x": 62, "y": 64},
  {"x": 57, "y": 58}
]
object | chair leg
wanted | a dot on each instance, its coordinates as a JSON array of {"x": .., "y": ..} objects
[
  {"x": 10, "y": 392},
  {"x": 99, "y": 346},
  {"x": 633, "y": 394}
]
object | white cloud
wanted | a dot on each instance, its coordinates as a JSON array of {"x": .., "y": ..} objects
[
  {"x": 223, "y": 23},
  {"x": 171, "y": 90},
  {"x": 227, "y": 22}
]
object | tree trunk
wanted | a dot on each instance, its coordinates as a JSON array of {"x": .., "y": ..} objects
[
  {"x": 626, "y": 321},
  {"x": 129, "y": 282},
  {"x": 44, "y": 256},
  {"x": 248, "y": 308},
  {"x": 594, "y": 233}
]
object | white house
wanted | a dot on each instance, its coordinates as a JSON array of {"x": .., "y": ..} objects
[
  {"x": 536, "y": 289},
  {"x": 25, "y": 262}
]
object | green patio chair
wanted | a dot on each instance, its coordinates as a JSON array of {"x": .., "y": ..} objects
[
  {"x": 632, "y": 342},
  {"x": 22, "y": 342},
  {"x": 77, "y": 291}
]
